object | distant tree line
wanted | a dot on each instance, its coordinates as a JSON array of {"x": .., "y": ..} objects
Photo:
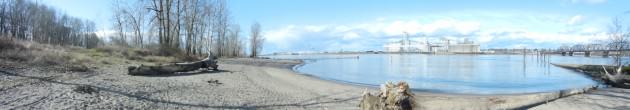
[
  {"x": 33, "y": 21},
  {"x": 193, "y": 26}
]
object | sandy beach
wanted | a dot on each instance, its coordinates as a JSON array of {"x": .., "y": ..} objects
[
  {"x": 314, "y": 55},
  {"x": 240, "y": 84},
  {"x": 602, "y": 99}
]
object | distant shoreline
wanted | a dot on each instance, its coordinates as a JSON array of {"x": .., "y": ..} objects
[{"x": 441, "y": 53}]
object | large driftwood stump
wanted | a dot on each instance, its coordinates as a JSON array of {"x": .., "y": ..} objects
[
  {"x": 164, "y": 69},
  {"x": 391, "y": 97}
]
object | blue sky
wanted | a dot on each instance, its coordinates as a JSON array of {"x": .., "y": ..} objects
[{"x": 334, "y": 25}]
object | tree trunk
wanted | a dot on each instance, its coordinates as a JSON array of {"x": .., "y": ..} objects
[
  {"x": 165, "y": 69},
  {"x": 618, "y": 79}
]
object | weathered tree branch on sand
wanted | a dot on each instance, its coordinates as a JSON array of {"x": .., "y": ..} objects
[
  {"x": 618, "y": 79},
  {"x": 164, "y": 69}
]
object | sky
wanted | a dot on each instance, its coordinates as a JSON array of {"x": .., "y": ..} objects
[{"x": 359, "y": 25}]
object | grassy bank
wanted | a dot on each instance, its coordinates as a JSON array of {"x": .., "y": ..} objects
[{"x": 81, "y": 59}]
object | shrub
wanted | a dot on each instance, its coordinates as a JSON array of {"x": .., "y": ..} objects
[
  {"x": 626, "y": 69},
  {"x": 134, "y": 57},
  {"x": 106, "y": 49},
  {"x": 49, "y": 58},
  {"x": 169, "y": 51},
  {"x": 141, "y": 52},
  {"x": 33, "y": 53},
  {"x": 16, "y": 55},
  {"x": 105, "y": 62},
  {"x": 182, "y": 57},
  {"x": 158, "y": 59},
  {"x": 9, "y": 44},
  {"x": 77, "y": 68},
  {"x": 85, "y": 89}
]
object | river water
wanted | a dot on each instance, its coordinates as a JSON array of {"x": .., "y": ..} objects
[{"x": 460, "y": 74}]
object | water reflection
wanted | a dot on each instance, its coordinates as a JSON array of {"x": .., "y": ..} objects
[{"x": 469, "y": 74}]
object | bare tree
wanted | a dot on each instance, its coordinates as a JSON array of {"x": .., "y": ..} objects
[
  {"x": 619, "y": 37},
  {"x": 233, "y": 41},
  {"x": 220, "y": 25},
  {"x": 618, "y": 40},
  {"x": 193, "y": 26},
  {"x": 256, "y": 40},
  {"x": 162, "y": 14},
  {"x": 26, "y": 20},
  {"x": 135, "y": 17},
  {"x": 3, "y": 16},
  {"x": 119, "y": 23}
]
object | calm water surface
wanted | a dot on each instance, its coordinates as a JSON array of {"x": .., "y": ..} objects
[{"x": 463, "y": 74}]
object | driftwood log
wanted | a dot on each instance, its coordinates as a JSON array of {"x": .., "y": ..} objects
[
  {"x": 610, "y": 75},
  {"x": 165, "y": 69},
  {"x": 391, "y": 97}
]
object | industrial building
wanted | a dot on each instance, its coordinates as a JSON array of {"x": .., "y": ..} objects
[
  {"x": 406, "y": 45},
  {"x": 444, "y": 46}
]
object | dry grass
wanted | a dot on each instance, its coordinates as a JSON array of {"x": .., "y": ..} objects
[
  {"x": 42, "y": 54},
  {"x": 27, "y": 52},
  {"x": 76, "y": 58},
  {"x": 153, "y": 54},
  {"x": 136, "y": 54},
  {"x": 9, "y": 44}
]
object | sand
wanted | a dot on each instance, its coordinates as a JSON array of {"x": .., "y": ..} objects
[
  {"x": 602, "y": 99},
  {"x": 242, "y": 84}
]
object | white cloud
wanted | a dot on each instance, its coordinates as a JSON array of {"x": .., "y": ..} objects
[
  {"x": 381, "y": 19},
  {"x": 591, "y": 30},
  {"x": 336, "y": 46},
  {"x": 492, "y": 33},
  {"x": 281, "y": 36},
  {"x": 313, "y": 28},
  {"x": 371, "y": 27},
  {"x": 398, "y": 27},
  {"x": 575, "y": 20},
  {"x": 414, "y": 27},
  {"x": 350, "y": 35},
  {"x": 342, "y": 28},
  {"x": 519, "y": 46},
  {"x": 485, "y": 38},
  {"x": 542, "y": 37},
  {"x": 105, "y": 33},
  {"x": 589, "y": 1},
  {"x": 461, "y": 26},
  {"x": 378, "y": 29}
]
